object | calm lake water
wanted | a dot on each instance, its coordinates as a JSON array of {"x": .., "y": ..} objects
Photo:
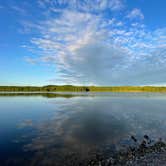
[{"x": 51, "y": 129}]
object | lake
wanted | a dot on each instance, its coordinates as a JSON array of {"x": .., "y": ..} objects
[{"x": 61, "y": 128}]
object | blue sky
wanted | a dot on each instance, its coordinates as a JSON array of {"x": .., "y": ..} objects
[{"x": 87, "y": 42}]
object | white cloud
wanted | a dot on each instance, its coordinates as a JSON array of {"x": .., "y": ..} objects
[
  {"x": 116, "y": 4},
  {"x": 135, "y": 14},
  {"x": 87, "y": 47},
  {"x": 83, "y": 5}
]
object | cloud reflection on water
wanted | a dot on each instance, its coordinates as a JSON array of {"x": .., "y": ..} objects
[{"x": 84, "y": 124}]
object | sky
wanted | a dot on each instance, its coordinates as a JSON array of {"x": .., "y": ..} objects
[{"x": 83, "y": 42}]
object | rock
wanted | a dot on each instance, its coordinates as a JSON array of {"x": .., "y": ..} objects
[
  {"x": 146, "y": 137},
  {"x": 133, "y": 138}
]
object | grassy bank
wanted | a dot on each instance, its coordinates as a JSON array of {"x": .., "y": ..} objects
[{"x": 70, "y": 88}]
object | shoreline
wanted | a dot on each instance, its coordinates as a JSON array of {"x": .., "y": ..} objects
[
  {"x": 71, "y": 88},
  {"x": 144, "y": 153}
]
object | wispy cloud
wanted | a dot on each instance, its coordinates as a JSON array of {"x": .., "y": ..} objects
[
  {"x": 135, "y": 14},
  {"x": 1, "y": 7},
  {"x": 30, "y": 60},
  {"x": 84, "y": 5},
  {"x": 87, "y": 46},
  {"x": 19, "y": 9}
]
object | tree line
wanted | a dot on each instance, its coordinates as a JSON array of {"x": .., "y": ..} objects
[{"x": 71, "y": 88}]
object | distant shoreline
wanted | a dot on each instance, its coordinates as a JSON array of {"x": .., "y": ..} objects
[{"x": 71, "y": 88}]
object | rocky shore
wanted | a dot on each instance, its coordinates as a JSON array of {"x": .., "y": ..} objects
[{"x": 146, "y": 153}]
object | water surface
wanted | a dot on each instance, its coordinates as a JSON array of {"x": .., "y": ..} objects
[{"x": 49, "y": 129}]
